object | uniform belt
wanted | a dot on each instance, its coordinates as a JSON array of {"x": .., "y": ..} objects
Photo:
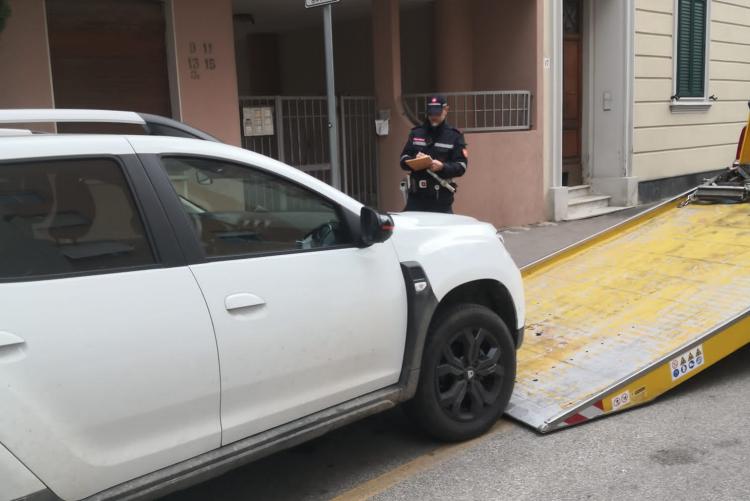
[
  {"x": 423, "y": 187},
  {"x": 425, "y": 184}
]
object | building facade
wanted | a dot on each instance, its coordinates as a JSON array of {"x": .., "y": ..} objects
[
  {"x": 169, "y": 58},
  {"x": 570, "y": 107},
  {"x": 216, "y": 65},
  {"x": 650, "y": 97}
]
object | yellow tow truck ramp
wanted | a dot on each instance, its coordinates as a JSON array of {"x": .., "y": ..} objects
[{"x": 618, "y": 319}]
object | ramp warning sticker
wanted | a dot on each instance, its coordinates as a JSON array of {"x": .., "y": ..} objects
[
  {"x": 621, "y": 400},
  {"x": 687, "y": 362}
]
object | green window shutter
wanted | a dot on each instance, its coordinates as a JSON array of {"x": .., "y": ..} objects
[{"x": 691, "y": 48}]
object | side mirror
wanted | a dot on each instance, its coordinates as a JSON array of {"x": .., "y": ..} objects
[{"x": 374, "y": 227}]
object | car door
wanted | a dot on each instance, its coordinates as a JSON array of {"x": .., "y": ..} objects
[
  {"x": 108, "y": 362},
  {"x": 304, "y": 319}
]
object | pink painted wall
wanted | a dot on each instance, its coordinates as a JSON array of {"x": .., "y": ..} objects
[
  {"x": 387, "y": 70},
  {"x": 417, "y": 31},
  {"x": 207, "y": 92},
  {"x": 490, "y": 45},
  {"x": 486, "y": 45},
  {"x": 505, "y": 44},
  {"x": 504, "y": 183},
  {"x": 454, "y": 54},
  {"x": 25, "y": 80}
]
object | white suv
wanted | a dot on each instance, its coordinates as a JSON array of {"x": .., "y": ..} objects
[{"x": 173, "y": 307}]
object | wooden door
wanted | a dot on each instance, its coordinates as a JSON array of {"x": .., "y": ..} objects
[
  {"x": 109, "y": 54},
  {"x": 572, "y": 90}
]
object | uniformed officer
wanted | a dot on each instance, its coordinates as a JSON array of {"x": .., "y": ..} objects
[{"x": 447, "y": 148}]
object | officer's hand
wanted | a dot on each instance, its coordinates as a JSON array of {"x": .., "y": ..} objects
[
  {"x": 421, "y": 155},
  {"x": 437, "y": 166}
]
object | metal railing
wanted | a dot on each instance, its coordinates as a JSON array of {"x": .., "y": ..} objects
[
  {"x": 484, "y": 111},
  {"x": 300, "y": 132},
  {"x": 359, "y": 157},
  {"x": 299, "y": 137}
]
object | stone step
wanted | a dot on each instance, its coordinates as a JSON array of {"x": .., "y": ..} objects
[
  {"x": 591, "y": 200},
  {"x": 582, "y": 190},
  {"x": 584, "y": 205},
  {"x": 584, "y": 212}
]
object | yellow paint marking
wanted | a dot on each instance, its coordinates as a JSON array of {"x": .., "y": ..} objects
[
  {"x": 660, "y": 380},
  {"x": 608, "y": 309},
  {"x": 425, "y": 462}
]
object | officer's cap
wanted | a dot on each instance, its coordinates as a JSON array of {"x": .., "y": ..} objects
[{"x": 435, "y": 104}]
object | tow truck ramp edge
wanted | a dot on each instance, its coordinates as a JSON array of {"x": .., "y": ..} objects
[
  {"x": 645, "y": 382},
  {"x": 620, "y": 318}
]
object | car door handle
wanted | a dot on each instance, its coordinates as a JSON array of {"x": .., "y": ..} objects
[
  {"x": 242, "y": 300},
  {"x": 7, "y": 340}
]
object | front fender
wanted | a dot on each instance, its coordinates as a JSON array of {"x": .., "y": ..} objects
[
  {"x": 452, "y": 255},
  {"x": 17, "y": 482}
]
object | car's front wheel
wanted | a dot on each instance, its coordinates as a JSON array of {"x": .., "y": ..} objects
[{"x": 467, "y": 376}]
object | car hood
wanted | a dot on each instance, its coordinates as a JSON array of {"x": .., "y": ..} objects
[
  {"x": 431, "y": 220},
  {"x": 423, "y": 231}
]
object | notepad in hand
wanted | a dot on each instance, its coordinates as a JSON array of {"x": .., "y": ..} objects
[{"x": 421, "y": 163}]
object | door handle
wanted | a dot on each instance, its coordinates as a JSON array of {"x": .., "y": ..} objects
[
  {"x": 7, "y": 340},
  {"x": 242, "y": 300}
]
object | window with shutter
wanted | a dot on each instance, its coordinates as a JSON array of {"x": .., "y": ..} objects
[{"x": 691, "y": 48}]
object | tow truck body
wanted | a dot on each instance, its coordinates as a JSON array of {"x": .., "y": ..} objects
[{"x": 618, "y": 319}]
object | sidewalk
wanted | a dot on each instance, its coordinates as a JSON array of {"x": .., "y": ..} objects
[{"x": 528, "y": 244}]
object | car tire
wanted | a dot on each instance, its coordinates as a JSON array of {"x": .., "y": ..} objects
[{"x": 467, "y": 374}]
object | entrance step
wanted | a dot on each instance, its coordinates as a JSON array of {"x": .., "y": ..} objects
[
  {"x": 583, "y": 190},
  {"x": 583, "y": 203},
  {"x": 584, "y": 213},
  {"x": 582, "y": 206}
]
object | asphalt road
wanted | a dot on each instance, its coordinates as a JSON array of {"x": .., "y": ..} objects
[{"x": 688, "y": 445}]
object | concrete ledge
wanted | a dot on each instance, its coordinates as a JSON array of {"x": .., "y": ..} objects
[
  {"x": 690, "y": 106},
  {"x": 559, "y": 202},
  {"x": 659, "y": 189},
  {"x": 623, "y": 190}
]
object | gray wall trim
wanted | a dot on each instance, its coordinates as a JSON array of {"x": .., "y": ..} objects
[{"x": 659, "y": 189}]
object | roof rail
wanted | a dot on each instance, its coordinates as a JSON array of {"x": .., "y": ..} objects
[{"x": 153, "y": 125}]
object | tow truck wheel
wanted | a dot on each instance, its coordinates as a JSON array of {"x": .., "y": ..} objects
[{"x": 467, "y": 376}]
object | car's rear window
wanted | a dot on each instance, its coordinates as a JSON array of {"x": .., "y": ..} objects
[{"x": 68, "y": 216}]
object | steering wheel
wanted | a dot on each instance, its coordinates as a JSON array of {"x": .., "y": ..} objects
[{"x": 323, "y": 235}]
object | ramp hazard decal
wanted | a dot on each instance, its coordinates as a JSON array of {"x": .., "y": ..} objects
[
  {"x": 687, "y": 362},
  {"x": 621, "y": 401}
]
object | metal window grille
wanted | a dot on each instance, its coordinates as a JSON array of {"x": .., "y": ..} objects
[{"x": 487, "y": 111}]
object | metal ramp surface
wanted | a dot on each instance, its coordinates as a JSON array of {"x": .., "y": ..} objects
[{"x": 617, "y": 320}]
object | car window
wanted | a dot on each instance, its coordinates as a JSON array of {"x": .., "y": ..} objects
[
  {"x": 68, "y": 216},
  {"x": 236, "y": 209}
]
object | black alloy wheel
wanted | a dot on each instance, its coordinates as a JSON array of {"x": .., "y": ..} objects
[
  {"x": 469, "y": 377},
  {"x": 467, "y": 374}
]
